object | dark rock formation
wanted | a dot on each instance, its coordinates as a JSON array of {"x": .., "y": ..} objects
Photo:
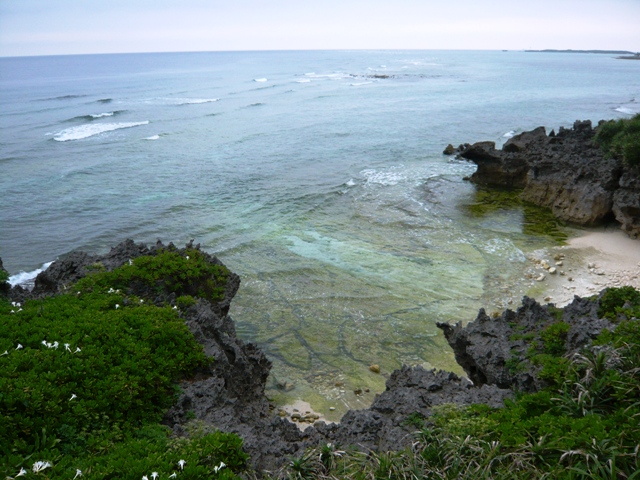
[
  {"x": 566, "y": 172},
  {"x": 489, "y": 348}
]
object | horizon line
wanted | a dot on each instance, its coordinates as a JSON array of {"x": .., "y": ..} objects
[{"x": 529, "y": 50}]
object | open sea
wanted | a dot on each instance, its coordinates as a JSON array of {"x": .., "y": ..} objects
[{"x": 316, "y": 176}]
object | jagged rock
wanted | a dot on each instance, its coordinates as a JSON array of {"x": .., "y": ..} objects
[
  {"x": 4, "y": 286},
  {"x": 565, "y": 172},
  {"x": 449, "y": 150},
  {"x": 485, "y": 346},
  {"x": 626, "y": 202}
]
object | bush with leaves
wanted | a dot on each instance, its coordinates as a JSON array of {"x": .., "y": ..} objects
[
  {"x": 86, "y": 376},
  {"x": 621, "y": 138}
]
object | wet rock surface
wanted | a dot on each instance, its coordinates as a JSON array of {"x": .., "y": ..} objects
[
  {"x": 566, "y": 172},
  {"x": 229, "y": 394}
]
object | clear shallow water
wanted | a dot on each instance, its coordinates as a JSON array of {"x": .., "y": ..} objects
[{"x": 316, "y": 180}]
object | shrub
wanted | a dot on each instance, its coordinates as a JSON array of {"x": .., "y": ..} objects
[
  {"x": 88, "y": 375},
  {"x": 613, "y": 301},
  {"x": 620, "y": 138}
]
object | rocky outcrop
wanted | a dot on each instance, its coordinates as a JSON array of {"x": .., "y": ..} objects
[
  {"x": 495, "y": 351},
  {"x": 565, "y": 172}
]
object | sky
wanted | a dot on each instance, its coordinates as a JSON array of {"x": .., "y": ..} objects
[{"x": 56, "y": 27}]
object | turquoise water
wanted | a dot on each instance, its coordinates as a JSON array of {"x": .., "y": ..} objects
[{"x": 317, "y": 176}]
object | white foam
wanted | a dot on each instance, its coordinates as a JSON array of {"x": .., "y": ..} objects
[
  {"x": 26, "y": 278},
  {"x": 350, "y": 183},
  {"x": 509, "y": 134},
  {"x": 91, "y": 129},
  {"x": 386, "y": 178},
  {"x": 360, "y": 83},
  {"x": 304, "y": 80},
  {"x": 101, "y": 115},
  {"x": 190, "y": 101},
  {"x": 625, "y": 110},
  {"x": 152, "y": 137},
  {"x": 261, "y": 80}
]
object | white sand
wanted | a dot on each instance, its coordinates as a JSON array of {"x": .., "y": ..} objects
[{"x": 600, "y": 258}]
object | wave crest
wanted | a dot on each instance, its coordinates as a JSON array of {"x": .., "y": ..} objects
[{"x": 89, "y": 130}]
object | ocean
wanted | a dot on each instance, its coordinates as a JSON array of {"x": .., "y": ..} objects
[{"x": 317, "y": 176}]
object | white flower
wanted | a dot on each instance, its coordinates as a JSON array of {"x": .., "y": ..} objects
[
  {"x": 73, "y": 395},
  {"x": 44, "y": 342},
  {"x": 117, "y": 306},
  {"x": 6, "y": 352},
  {"x": 154, "y": 475},
  {"x": 219, "y": 467},
  {"x": 19, "y": 347},
  {"x": 173, "y": 475},
  {"x": 144, "y": 477},
  {"x": 56, "y": 345},
  {"x": 77, "y": 350},
  {"x": 141, "y": 301},
  {"x": 66, "y": 346},
  {"x": 49, "y": 345},
  {"x": 175, "y": 308},
  {"x": 181, "y": 463},
  {"x": 78, "y": 293},
  {"x": 19, "y": 309},
  {"x": 13, "y": 311},
  {"x": 22, "y": 472},
  {"x": 78, "y": 473},
  {"x": 187, "y": 257},
  {"x": 39, "y": 466},
  {"x": 130, "y": 262}
]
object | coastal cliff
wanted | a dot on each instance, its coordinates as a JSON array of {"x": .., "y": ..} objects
[
  {"x": 513, "y": 352},
  {"x": 564, "y": 171}
]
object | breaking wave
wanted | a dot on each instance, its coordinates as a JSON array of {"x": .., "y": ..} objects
[{"x": 89, "y": 130}]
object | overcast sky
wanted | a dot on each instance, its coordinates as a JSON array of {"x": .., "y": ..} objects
[{"x": 48, "y": 27}]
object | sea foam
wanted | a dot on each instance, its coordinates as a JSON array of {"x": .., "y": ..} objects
[
  {"x": 192, "y": 101},
  {"x": 260, "y": 80},
  {"x": 625, "y": 110},
  {"x": 89, "y": 130},
  {"x": 26, "y": 278}
]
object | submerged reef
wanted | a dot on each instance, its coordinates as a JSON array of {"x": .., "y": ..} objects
[{"x": 529, "y": 351}]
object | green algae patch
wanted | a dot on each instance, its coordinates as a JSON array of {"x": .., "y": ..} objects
[{"x": 536, "y": 221}]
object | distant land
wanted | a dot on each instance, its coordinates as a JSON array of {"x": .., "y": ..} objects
[{"x": 610, "y": 52}]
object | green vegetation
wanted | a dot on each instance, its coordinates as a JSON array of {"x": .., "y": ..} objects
[
  {"x": 621, "y": 138},
  {"x": 584, "y": 425},
  {"x": 87, "y": 376},
  {"x": 624, "y": 301},
  {"x": 166, "y": 272}
]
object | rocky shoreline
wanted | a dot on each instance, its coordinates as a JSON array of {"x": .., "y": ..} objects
[
  {"x": 564, "y": 171},
  {"x": 230, "y": 394}
]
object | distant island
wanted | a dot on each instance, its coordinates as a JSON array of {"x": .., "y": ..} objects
[{"x": 610, "y": 52}]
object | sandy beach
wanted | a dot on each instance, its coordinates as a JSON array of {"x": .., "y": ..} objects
[{"x": 588, "y": 263}]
